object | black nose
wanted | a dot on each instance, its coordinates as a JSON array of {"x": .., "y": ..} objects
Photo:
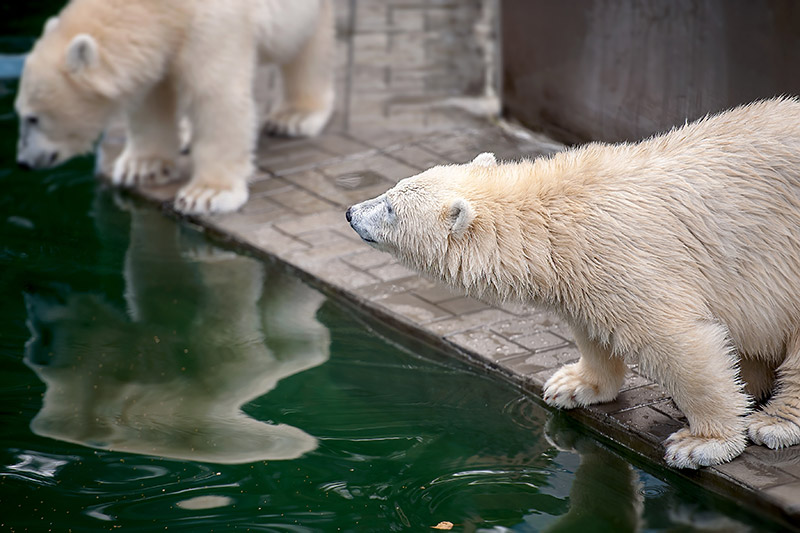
[
  {"x": 25, "y": 166},
  {"x": 348, "y": 215}
]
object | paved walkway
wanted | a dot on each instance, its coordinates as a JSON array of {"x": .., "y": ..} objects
[{"x": 414, "y": 78}]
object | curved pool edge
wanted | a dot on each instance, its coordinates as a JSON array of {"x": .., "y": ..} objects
[{"x": 296, "y": 217}]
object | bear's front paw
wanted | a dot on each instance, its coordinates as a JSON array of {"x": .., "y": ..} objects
[
  {"x": 685, "y": 450},
  {"x": 199, "y": 199},
  {"x": 573, "y": 386},
  {"x": 773, "y": 429},
  {"x": 294, "y": 123},
  {"x": 134, "y": 170}
]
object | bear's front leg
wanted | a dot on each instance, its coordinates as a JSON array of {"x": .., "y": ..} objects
[
  {"x": 695, "y": 363},
  {"x": 223, "y": 118},
  {"x": 152, "y": 141},
  {"x": 595, "y": 378}
]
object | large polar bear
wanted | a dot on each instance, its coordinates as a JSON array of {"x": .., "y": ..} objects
[
  {"x": 159, "y": 61},
  {"x": 681, "y": 252}
]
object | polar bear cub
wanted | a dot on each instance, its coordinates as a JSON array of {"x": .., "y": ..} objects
[
  {"x": 158, "y": 61},
  {"x": 681, "y": 253}
]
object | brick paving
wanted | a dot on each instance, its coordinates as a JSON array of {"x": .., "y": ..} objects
[{"x": 407, "y": 70}]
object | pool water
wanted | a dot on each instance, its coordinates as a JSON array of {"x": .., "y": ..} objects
[{"x": 152, "y": 381}]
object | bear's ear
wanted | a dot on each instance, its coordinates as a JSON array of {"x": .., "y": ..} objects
[
  {"x": 460, "y": 216},
  {"x": 485, "y": 159},
  {"x": 82, "y": 52},
  {"x": 51, "y": 24}
]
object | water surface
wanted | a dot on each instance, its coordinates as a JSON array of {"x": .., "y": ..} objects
[{"x": 153, "y": 381}]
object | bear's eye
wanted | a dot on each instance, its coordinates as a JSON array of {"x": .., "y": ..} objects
[
  {"x": 389, "y": 209},
  {"x": 32, "y": 120}
]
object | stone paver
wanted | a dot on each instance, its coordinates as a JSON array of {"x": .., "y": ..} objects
[{"x": 403, "y": 90}]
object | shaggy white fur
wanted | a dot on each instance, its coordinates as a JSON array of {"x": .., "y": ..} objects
[
  {"x": 680, "y": 252},
  {"x": 158, "y": 61}
]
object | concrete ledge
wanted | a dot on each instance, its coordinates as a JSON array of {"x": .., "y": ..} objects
[
  {"x": 395, "y": 117},
  {"x": 297, "y": 218}
]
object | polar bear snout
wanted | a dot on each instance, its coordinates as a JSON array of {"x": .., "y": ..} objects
[
  {"x": 367, "y": 218},
  {"x": 35, "y": 150},
  {"x": 39, "y": 161},
  {"x": 357, "y": 223}
]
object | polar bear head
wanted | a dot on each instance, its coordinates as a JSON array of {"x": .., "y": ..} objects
[
  {"x": 64, "y": 99},
  {"x": 462, "y": 224},
  {"x": 421, "y": 214}
]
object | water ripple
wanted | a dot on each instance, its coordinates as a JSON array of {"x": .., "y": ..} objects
[
  {"x": 525, "y": 413},
  {"x": 37, "y": 467}
]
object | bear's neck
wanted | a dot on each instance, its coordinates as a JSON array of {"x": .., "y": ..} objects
[
  {"x": 132, "y": 58},
  {"x": 530, "y": 243},
  {"x": 505, "y": 255}
]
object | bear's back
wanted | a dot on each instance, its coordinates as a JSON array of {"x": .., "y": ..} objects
[{"x": 705, "y": 217}]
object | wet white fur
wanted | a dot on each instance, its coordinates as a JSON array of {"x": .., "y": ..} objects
[
  {"x": 681, "y": 253},
  {"x": 160, "y": 60}
]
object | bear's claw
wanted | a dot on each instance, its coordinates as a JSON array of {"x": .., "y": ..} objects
[
  {"x": 132, "y": 171},
  {"x": 570, "y": 387},
  {"x": 684, "y": 450},
  {"x": 293, "y": 123},
  {"x": 196, "y": 199},
  {"x": 773, "y": 429}
]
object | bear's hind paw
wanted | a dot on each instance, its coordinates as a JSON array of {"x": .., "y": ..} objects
[
  {"x": 773, "y": 430},
  {"x": 132, "y": 171},
  {"x": 685, "y": 450},
  {"x": 293, "y": 123},
  {"x": 196, "y": 199}
]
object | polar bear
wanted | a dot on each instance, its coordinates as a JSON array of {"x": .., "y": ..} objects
[
  {"x": 680, "y": 252},
  {"x": 157, "y": 61}
]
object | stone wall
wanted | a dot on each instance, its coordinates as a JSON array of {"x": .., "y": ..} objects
[{"x": 623, "y": 69}]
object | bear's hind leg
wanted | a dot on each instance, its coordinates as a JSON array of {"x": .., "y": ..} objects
[
  {"x": 777, "y": 425},
  {"x": 222, "y": 113},
  {"x": 758, "y": 376},
  {"x": 308, "y": 91},
  {"x": 595, "y": 378},
  {"x": 152, "y": 141},
  {"x": 696, "y": 365}
]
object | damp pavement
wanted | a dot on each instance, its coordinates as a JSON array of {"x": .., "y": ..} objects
[{"x": 417, "y": 87}]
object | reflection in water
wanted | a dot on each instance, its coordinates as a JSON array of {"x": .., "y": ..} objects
[
  {"x": 205, "y": 332},
  {"x": 606, "y": 489},
  {"x": 607, "y": 493}
]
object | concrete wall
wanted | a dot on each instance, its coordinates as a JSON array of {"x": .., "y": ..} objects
[{"x": 623, "y": 69}]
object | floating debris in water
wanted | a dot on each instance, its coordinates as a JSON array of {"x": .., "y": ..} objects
[
  {"x": 20, "y": 222},
  {"x": 205, "y": 502}
]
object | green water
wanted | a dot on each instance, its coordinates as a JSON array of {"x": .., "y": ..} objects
[{"x": 151, "y": 381}]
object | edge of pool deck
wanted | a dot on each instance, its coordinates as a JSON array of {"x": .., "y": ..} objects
[
  {"x": 296, "y": 216},
  {"x": 402, "y": 92}
]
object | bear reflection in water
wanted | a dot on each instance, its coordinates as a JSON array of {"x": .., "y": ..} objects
[
  {"x": 205, "y": 332},
  {"x": 609, "y": 494}
]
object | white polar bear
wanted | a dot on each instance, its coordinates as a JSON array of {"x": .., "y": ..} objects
[
  {"x": 158, "y": 61},
  {"x": 681, "y": 252}
]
